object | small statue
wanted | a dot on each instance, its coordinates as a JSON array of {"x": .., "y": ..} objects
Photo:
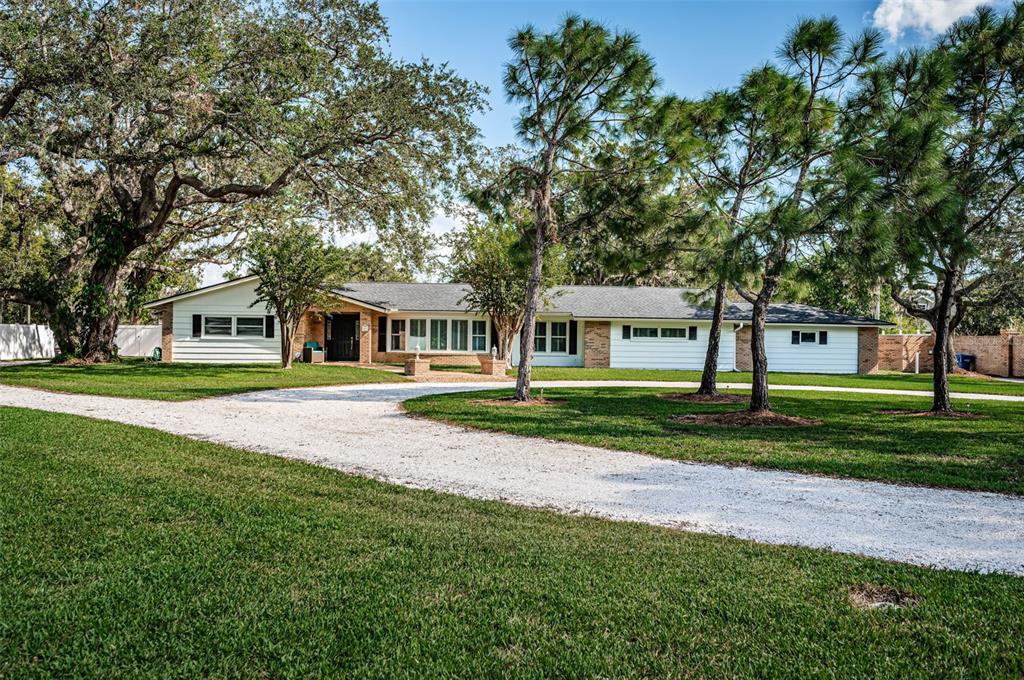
[
  {"x": 417, "y": 351},
  {"x": 494, "y": 351}
]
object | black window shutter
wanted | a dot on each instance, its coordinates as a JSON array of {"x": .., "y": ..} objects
[
  {"x": 268, "y": 326},
  {"x": 627, "y": 332},
  {"x": 197, "y": 325},
  {"x": 494, "y": 337},
  {"x": 573, "y": 339},
  {"x": 796, "y": 337},
  {"x": 382, "y": 334},
  {"x": 822, "y": 337},
  {"x": 693, "y": 332}
]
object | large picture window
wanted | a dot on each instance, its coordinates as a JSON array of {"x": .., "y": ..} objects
[
  {"x": 417, "y": 335},
  {"x": 249, "y": 326},
  {"x": 217, "y": 326},
  {"x": 460, "y": 335},
  {"x": 479, "y": 336},
  {"x": 439, "y": 334}
]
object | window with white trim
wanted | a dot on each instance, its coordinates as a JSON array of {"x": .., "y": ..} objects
[
  {"x": 397, "y": 331},
  {"x": 644, "y": 332},
  {"x": 540, "y": 337},
  {"x": 460, "y": 335},
  {"x": 439, "y": 334},
  {"x": 417, "y": 335},
  {"x": 479, "y": 336},
  {"x": 559, "y": 336},
  {"x": 217, "y": 326},
  {"x": 249, "y": 326}
]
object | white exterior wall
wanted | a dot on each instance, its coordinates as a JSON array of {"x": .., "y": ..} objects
[
  {"x": 838, "y": 356},
  {"x": 26, "y": 341},
  {"x": 550, "y": 358},
  {"x": 231, "y": 301},
  {"x": 670, "y": 353}
]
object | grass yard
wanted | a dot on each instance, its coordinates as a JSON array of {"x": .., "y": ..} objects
[
  {"x": 856, "y": 439},
  {"x": 135, "y": 378},
  {"x": 889, "y": 381},
  {"x": 127, "y": 552}
]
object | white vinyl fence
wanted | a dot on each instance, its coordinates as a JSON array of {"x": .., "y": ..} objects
[
  {"x": 33, "y": 341},
  {"x": 26, "y": 341},
  {"x": 137, "y": 341}
]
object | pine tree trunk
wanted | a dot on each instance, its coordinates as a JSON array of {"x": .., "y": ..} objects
[
  {"x": 941, "y": 402},
  {"x": 526, "y": 337},
  {"x": 709, "y": 378},
  {"x": 759, "y": 358}
]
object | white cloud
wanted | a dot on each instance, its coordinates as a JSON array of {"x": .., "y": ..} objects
[{"x": 928, "y": 17}]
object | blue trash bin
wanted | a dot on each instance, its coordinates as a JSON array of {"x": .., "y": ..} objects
[{"x": 966, "y": 361}]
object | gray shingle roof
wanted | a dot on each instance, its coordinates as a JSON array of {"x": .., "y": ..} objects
[{"x": 601, "y": 302}]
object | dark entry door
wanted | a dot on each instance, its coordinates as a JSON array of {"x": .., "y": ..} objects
[{"x": 344, "y": 342}]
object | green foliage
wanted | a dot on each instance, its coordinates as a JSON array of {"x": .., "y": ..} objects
[
  {"x": 163, "y": 120},
  {"x": 297, "y": 271}
]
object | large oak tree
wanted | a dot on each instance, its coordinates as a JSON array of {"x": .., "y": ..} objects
[{"x": 153, "y": 123}]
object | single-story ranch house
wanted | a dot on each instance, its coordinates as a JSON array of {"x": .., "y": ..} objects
[{"x": 592, "y": 326}]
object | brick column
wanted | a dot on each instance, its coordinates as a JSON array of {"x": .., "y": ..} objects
[
  {"x": 597, "y": 344},
  {"x": 744, "y": 362},
  {"x": 867, "y": 350},
  {"x": 366, "y": 338},
  {"x": 167, "y": 332}
]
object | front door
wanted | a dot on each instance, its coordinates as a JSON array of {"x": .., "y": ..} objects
[{"x": 344, "y": 342}]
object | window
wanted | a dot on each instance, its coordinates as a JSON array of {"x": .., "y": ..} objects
[
  {"x": 217, "y": 325},
  {"x": 540, "y": 337},
  {"x": 479, "y": 336},
  {"x": 439, "y": 334},
  {"x": 417, "y": 335},
  {"x": 460, "y": 335},
  {"x": 673, "y": 332},
  {"x": 249, "y": 326},
  {"x": 645, "y": 332},
  {"x": 397, "y": 330},
  {"x": 559, "y": 336},
  {"x": 807, "y": 337}
]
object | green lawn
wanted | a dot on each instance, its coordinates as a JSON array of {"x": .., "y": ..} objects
[
  {"x": 182, "y": 381},
  {"x": 856, "y": 440},
  {"x": 129, "y": 552},
  {"x": 891, "y": 381}
]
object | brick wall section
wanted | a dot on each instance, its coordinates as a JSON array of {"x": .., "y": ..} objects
[
  {"x": 743, "y": 360},
  {"x": 896, "y": 352},
  {"x": 311, "y": 327},
  {"x": 867, "y": 350},
  {"x": 597, "y": 344},
  {"x": 166, "y": 317}
]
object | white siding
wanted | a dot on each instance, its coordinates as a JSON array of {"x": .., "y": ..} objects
[
  {"x": 553, "y": 358},
  {"x": 838, "y": 356},
  {"x": 670, "y": 353},
  {"x": 230, "y": 301}
]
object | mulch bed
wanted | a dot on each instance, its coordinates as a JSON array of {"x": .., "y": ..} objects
[
  {"x": 694, "y": 398},
  {"x": 746, "y": 419},
  {"x": 871, "y": 596},
  {"x": 510, "y": 401},
  {"x": 951, "y": 415}
]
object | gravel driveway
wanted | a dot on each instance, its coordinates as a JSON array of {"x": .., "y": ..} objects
[{"x": 361, "y": 429}]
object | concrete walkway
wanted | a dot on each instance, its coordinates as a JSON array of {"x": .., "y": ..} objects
[{"x": 361, "y": 429}]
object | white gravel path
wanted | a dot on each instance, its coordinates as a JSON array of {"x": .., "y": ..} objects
[{"x": 361, "y": 429}]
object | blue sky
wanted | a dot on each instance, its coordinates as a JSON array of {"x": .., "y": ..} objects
[{"x": 697, "y": 45}]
